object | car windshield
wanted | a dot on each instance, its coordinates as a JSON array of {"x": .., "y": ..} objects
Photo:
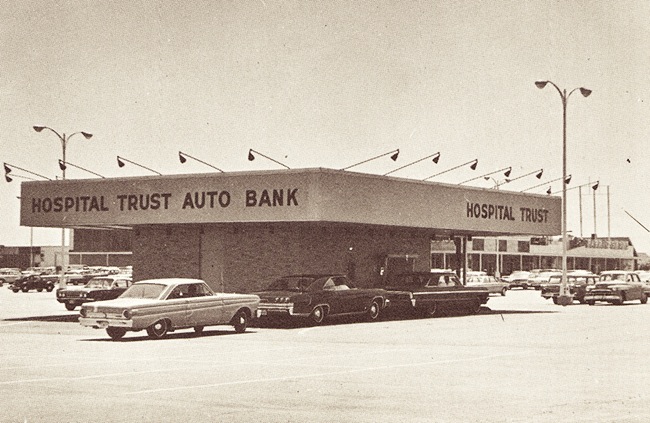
[
  {"x": 99, "y": 283},
  {"x": 293, "y": 283},
  {"x": 409, "y": 280},
  {"x": 144, "y": 290},
  {"x": 613, "y": 277}
]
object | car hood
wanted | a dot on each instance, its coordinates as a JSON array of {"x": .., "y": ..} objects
[{"x": 611, "y": 285}]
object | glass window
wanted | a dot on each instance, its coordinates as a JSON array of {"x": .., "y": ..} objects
[{"x": 478, "y": 244}]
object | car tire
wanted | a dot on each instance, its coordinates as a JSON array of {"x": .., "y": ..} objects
[
  {"x": 373, "y": 311},
  {"x": 503, "y": 291},
  {"x": 39, "y": 289},
  {"x": 240, "y": 321},
  {"x": 317, "y": 315},
  {"x": 16, "y": 290},
  {"x": 25, "y": 289},
  {"x": 591, "y": 303},
  {"x": 158, "y": 330},
  {"x": 70, "y": 307},
  {"x": 116, "y": 333},
  {"x": 555, "y": 301},
  {"x": 524, "y": 286},
  {"x": 49, "y": 288},
  {"x": 644, "y": 298},
  {"x": 198, "y": 330}
]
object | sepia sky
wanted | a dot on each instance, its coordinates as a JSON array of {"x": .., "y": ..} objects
[{"x": 329, "y": 84}]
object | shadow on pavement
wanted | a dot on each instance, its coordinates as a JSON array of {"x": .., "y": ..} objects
[
  {"x": 71, "y": 318},
  {"x": 185, "y": 334}
]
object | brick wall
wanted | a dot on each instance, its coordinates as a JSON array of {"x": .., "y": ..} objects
[{"x": 255, "y": 254}]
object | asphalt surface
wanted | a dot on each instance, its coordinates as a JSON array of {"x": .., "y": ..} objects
[{"x": 521, "y": 359}]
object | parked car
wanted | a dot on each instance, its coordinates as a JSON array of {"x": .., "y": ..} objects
[
  {"x": 517, "y": 279},
  {"x": 9, "y": 276},
  {"x": 430, "y": 293},
  {"x": 319, "y": 296},
  {"x": 97, "y": 289},
  {"x": 164, "y": 305},
  {"x": 82, "y": 276},
  {"x": 541, "y": 276},
  {"x": 616, "y": 287},
  {"x": 491, "y": 283},
  {"x": 579, "y": 285},
  {"x": 37, "y": 282}
]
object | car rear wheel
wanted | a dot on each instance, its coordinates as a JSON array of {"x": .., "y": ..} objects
[
  {"x": 158, "y": 330},
  {"x": 591, "y": 302},
  {"x": 644, "y": 298},
  {"x": 115, "y": 333},
  {"x": 524, "y": 286},
  {"x": 240, "y": 321},
  {"x": 49, "y": 288},
  {"x": 374, "y": 310},
  {"x": 554, "y": 300},
  {"x": 69, "y": 306},
  {"x": 430, "y": 311},
  {"x": 25, "y": 289},
  {"x": 39, "y": 289},
  {"x": 198, "y": 330},
  {"x": 503, "y": 291},
  {"x": 317, "y": 315}
]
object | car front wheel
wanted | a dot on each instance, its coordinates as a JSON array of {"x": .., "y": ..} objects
[
  {"x": 70, "y": 306},
  {"x": 475, "y": 306},
  {"x": 503, "y": 291},
  {"x": 644, "y": 298},
  {"x": 115, "y": 333},
  {"x": 374, "y": 310},
  {"x": 158, "y": 330}
]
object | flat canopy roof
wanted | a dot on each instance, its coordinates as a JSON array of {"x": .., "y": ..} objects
[{"x": 295, "y": 195}]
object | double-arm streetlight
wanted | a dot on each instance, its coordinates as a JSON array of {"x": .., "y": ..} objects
[
  {"x": 565, "y": 297},
  {"x": 64, "y": 144}
]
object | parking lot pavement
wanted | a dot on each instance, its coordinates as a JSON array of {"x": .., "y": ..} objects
[{"x": 522, "y": 359}]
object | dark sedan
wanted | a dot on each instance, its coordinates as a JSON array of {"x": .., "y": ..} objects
[
  {"x": 97, "y": 289},
  {"x": 428, "y": 293},
  {"x": 319, "y": 296},
  {"x": 37, "y": 282}
]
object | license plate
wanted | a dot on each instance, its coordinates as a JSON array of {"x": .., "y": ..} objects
[
  {"x": 103, "y": 324},
  {"x": 261, "y": 313}
]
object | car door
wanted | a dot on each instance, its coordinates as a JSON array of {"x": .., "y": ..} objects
[
  {"x": 351, "y": 299},
  {"x": 174, "y": 307},
  {"x": 204, "y": 307},
  {"x": 635, "y": 291}
]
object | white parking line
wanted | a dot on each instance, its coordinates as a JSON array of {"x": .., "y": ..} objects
[{"x": 313, "y": 375}]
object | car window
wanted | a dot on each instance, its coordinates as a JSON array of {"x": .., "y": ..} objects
[
  {"x": 329, "y": 285},
  {"x": 341, "y": 284}
]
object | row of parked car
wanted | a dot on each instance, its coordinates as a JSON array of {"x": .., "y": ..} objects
[
  {"x": 46, "y": 278},
  {"x": 160, "y": 306}
]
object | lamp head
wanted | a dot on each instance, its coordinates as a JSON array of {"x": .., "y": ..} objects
[
  {"x": 7, "y": 169},
  {"x": 473, "y": 166},
  {"x": 585, "y": 92},
  {"x": 181, "y": 157},
  {"x": 567, "y": 180},
  {"x": 548, "y": 191},
  {"x": 595, "y": 186},
  {"x": 394, "y": 156},
  {"x": 541, "y": 84},
  {"x": 539, "y": 174},
  {"x": 507, "y": 172},
  {"x": 62, "y": 165},
  {"x": 251, "y": 157},
  {"x": 7, "y": 178},
  {"x": 436, "y": 158},
  {"x": 38, "y": 128},
  {"x": 120, "y": 163},
  {"x": 87, "y": 135}
]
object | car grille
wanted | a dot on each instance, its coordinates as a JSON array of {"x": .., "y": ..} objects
[{"x": 105, "y": 313}]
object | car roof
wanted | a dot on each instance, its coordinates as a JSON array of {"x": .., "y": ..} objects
[
  {"x": 171, "y": 281},
  {"x": 314, "y": 275}
]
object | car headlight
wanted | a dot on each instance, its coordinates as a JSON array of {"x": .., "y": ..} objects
[
  {"x": 83, "y": 312},
  {"x": 126, "y": 314}
]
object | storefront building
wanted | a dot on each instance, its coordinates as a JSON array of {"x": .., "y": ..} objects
[{"x": 239, "y": 230}]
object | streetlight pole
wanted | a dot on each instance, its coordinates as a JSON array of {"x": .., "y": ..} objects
[
  {"x": 64, "y": 142},
  {"x": 564, "y": 297}
]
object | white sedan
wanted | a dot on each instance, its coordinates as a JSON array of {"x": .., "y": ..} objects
[{"x": 165, "y": 305}]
